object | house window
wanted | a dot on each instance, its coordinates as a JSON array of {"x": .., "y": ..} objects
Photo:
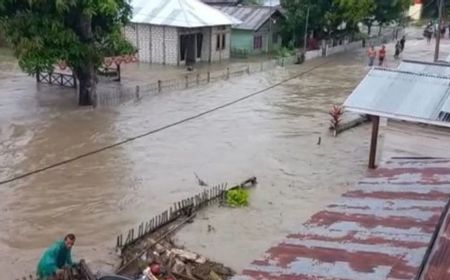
[
  {"x": 221, "y": 41},
  {"x": 257, "y": 42}
]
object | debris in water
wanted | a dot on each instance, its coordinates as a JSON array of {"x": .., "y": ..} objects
[{"x": 200, "y": 181}]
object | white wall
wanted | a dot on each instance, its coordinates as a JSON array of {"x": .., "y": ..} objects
[
  {"x": 171, "y": 45},
  {"x": 156, "y": 44},
  {"x": 160, "y": 44}
]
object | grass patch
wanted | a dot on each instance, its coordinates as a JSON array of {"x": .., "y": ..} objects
[{"x": 238, "y": 197}]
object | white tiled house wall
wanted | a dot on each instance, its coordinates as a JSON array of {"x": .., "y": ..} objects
[
  {"x": 130, "y": 34},
  {"x": 157, "y": 44},
  {"x": 171, "y": 48},
  {"x": 143, "y": 38}
]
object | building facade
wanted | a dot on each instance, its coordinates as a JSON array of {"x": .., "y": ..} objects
[
  {"x": 259, "y": 30},
  {"x": 179, "y": 32},
  {"x": 415, "y": 10},
  {"x": 179, "y": 46}
]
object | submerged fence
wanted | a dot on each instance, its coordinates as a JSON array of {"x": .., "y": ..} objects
[
  {"x": 118, "y": 93},
  {"x": 179, "y": 209}
]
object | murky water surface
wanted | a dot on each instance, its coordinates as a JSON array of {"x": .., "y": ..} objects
[{"x": 272, "y": 136}]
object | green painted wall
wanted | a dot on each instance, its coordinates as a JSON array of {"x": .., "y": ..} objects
[{"x": 243, "y": 39}]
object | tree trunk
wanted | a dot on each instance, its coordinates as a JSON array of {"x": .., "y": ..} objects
[
  {"x": 369, "y": 28},
  {"x": 379, "y": 30},
  {"x": 86, "y": 72},
  {"x": 88, "y": 85}
]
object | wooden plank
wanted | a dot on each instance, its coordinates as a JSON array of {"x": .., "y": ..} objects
[{"x": 374, "y": 141}]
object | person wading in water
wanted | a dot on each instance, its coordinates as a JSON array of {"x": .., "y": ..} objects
[{"x": 56, "y": 258}]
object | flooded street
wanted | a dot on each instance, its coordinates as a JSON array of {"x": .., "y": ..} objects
[{"x": 272, "y": 136}]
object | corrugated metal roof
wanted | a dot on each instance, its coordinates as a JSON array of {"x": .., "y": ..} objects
[
  {"x": 439, "y": 69},
  {"x": 221, "y": 2},
  {"x": 379, "y": 230},
  {"x": 252, "y": 17},
  {"x": 178, "y": 13},
  {"x": 418, "y": 97},
  {"x": 272, "y": 3}
]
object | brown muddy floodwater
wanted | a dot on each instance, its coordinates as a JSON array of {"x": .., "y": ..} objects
[{"x": 272, "y": 136}]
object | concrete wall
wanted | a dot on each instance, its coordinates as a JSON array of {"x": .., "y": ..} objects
[
  {"x": 415, "y": 11},
  {"x": 160, "y": 44},
  {"x": 156, "y": 44}
]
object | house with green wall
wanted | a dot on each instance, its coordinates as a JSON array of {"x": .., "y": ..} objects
[{"x": 259, "y": 31}]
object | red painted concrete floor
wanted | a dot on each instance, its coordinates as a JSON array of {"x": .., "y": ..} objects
[{"x": 382, "y": 229}]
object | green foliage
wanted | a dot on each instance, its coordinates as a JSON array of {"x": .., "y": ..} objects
[
  {"x": 284, "y": 52},
  {"x": 78, "y": 31},
  {"x": 389, "y": 11},
  {"x": 238, "y": 197},
  {"x": 335, "y": 18}
]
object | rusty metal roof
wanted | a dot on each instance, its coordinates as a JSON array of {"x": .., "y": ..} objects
[{"x": 381, "y": 229}]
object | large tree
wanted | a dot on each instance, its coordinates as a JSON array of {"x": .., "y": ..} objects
[
  {"x": 387, "y": 12},
  {"x": 296, "y": 12},
  {"x": 79, "y": 32},
  {"x": 344, "y": 16},
  {"x": 327, "y": 18}
]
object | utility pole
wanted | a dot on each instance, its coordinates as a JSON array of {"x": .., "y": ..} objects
[
  {"x": 306, "y": 32},
  {"x": 438, "y": 32}
]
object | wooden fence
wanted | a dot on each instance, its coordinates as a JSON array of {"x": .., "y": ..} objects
[
  {"x": 54, "y": 78},
  {"x": 118, "y": 94},
  {"x": 111, "y": 96},
  {"x": 179, "y": 209}
]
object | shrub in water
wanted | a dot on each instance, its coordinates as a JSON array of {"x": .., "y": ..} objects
[{"x": 238, "y": 197}]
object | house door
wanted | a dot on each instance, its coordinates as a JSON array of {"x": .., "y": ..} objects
[{"x": 188, "y": 49}]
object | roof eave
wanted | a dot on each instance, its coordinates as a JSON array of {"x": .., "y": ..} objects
[{"x": 395, "y": 116}]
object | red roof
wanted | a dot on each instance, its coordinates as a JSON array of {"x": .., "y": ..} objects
[{"x": 381, "y": 229}]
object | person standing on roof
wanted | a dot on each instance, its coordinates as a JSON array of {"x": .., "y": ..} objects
[
  {"x": 381, "y": 55},
  {"x": 56, "y": 258}
]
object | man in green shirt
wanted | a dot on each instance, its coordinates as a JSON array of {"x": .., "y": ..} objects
[{"x": 55, "y": 258}]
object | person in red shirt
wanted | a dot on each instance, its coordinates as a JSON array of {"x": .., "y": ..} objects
[{"x": 381, "y": 55}]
